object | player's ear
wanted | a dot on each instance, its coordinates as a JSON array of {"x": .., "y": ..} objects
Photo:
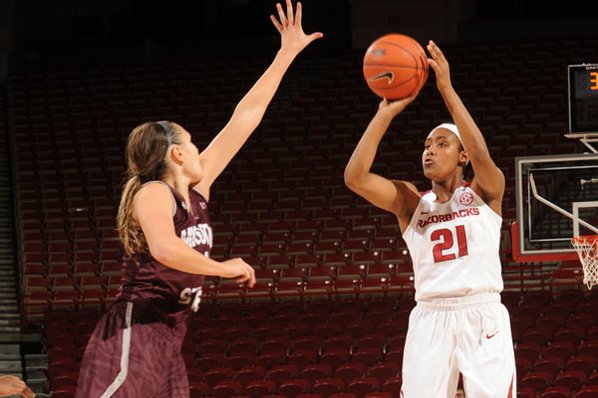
[
  {"x": 175, "y": 154},
  {"x": 463, "y": 158}
]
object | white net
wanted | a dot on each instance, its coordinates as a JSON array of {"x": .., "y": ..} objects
[{"x": 587, "y": 249}]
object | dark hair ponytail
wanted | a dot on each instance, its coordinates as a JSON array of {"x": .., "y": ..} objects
[{"x": 147, "y": 147}]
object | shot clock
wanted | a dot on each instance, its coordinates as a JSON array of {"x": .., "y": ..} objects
[{"x": 583, "y": 98}]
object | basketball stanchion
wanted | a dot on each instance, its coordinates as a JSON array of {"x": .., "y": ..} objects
[{"x": 587, "y": 250}]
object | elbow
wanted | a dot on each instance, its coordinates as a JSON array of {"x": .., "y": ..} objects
[
  {"x": 249, "y": 114},
  {"x": 163, "y": 253},
  {"x": 351, "y": 180}
]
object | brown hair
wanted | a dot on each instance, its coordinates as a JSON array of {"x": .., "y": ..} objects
[{"x": 147, "y": 147}]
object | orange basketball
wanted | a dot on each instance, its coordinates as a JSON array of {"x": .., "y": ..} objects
[{"x": 395, "y": 66}]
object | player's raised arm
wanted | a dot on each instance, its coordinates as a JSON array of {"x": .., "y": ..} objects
[
  {"x": 489, "y": 181},
  {"x": 399, "y": 197},
  {"x": 250, "y": 110}
]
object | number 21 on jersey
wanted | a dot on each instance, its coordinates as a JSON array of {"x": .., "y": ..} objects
[{"x": 444, "y": 250}]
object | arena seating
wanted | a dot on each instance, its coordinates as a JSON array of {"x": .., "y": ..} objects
[{"x": 282, "y": 205}]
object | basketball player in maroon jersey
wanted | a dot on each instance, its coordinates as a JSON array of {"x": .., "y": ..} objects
[{"x": 165, "y": 230}]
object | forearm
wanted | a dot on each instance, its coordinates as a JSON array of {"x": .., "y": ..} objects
[
  {"x": 177, "y": 255},
  {"x": 471, "y": 135},
  {"x": 363, "y": 156},
  {"x": 253, "y": 105}
]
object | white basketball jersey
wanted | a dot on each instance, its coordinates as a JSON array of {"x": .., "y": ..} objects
[{"x": 454, "y": 246}]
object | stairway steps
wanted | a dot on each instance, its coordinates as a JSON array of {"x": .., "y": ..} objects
[
  {"x": 11, "y": 366},
  {"x": 10, "y": 349},
  {"x": 36, "y": 362}
]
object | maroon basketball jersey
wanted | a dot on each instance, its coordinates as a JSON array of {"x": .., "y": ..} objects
[{"x": 163, "y": 293}]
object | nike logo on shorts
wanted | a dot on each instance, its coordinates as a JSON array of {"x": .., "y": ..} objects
[{"x": 489, "y": 336}]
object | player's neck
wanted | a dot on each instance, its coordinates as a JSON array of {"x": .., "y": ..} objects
[
  {"x": 444, "y": 190},
  {"x": 181, "y": 185}
]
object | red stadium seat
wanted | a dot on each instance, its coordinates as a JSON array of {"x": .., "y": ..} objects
[
  {"x": 556, "y": 392},
  {"x": 338, "y": 341},
  {"x": 536, "y": 380},
  {"x": 379, "y": 394},
  {"x": 259, "y": 388},
  {"x": 316, "y": 371},
  {"x": 248, "y": 374},
  {"x": 583, "y": 363},
  {"x": 563, "y": 349},
  {"x": 372, "y": 340},
  {"x": 367, "y": 356},
  {"x": 226, "y": 389},
  {"x": 334, "y": 357},
  {"x": 363, "y": 385},
  {"x": 280, "y": 373},
  {"x": 589, "y": 348},
  {"x": 349, "y": 371},
  {"x": 587, "y": 392},
  {"x": 328, "y": 386},
  {"x": 383, "y": 371},
  {"x": 526, "y": 392},
  {"x": 293, "y": 387},
  {"x": 243, "y": 344},
  {"x": 552, "y": 365},
  {"x": 572, "y": 379},
  {"x": 303, "y": 357},
  {"x": 393, "y": 386},
  {"x": 275, "y": 343},
  {"x": 217, "y": 375},
  {"x": 240, "y": 360},
  {"x": 209, "y": 361}
]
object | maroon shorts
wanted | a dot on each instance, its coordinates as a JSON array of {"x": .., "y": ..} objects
[{"x": 129, "y": 357}]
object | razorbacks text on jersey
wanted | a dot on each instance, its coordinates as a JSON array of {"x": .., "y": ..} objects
[{"x": 454, "y": 246}]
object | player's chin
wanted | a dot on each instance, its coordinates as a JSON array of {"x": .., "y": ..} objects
[
  {"x": 429, "y": 174},
  {"x": 196, "y": 180}
]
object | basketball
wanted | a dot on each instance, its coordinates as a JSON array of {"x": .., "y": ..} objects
[{"x": 395, "y": 66}]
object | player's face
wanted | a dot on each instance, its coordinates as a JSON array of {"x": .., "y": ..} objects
[
  {"x": 442, "y": 155},
  {"x": 190, "y": 155}
]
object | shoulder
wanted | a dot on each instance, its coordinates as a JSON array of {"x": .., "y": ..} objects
[
  {"x": 155, "y": 193},
  {"x": 154, "y": 188},
  {"x": 407, "y": 200},
  {"x": 493, "y": 203},
  {"x": 406, "y": 187}
]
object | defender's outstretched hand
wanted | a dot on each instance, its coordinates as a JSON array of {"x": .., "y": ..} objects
[
  {"x": 440, "y": 65},
  {"x": 291, "y": 31}
]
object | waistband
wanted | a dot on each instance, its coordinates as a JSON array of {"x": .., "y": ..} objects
[
  {"x": 141, "y": 314},
  {"x": 460, "y": 303}
]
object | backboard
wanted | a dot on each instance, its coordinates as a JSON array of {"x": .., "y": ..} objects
[{"x": 566, "y": 182}]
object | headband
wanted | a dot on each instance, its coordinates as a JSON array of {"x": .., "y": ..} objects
[
  {"x": 450, "y": 127},
  {"x": 167, "y": 129}
]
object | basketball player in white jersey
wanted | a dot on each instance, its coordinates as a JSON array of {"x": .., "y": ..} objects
[{"x": 453, "y": 234}]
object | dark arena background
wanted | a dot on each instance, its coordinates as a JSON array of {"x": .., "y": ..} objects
[{"x": 329, "y": 313}]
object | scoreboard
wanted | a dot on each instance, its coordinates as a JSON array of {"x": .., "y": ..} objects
[{"x": 583, "y": 98}]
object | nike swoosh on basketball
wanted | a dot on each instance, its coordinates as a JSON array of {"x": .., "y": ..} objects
[{"x": 388, "y": 75}]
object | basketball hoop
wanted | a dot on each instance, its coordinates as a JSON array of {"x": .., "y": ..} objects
[{"x": 587, "y": 250}]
